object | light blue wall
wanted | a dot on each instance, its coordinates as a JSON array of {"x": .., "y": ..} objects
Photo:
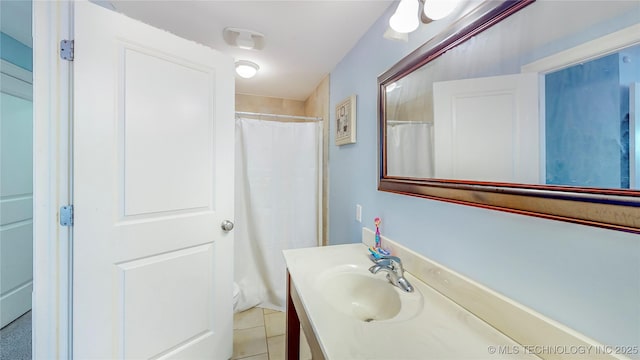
[
  {"x": 583, "y": 145},
  {"x": 587, "y": 121},
  {"x": 15, "y": 23},
  {"x": 585, "y": 277},
  {"x": 15, "y": 52}
]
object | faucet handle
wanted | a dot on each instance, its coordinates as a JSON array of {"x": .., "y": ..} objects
[
  {"x": 379, "y": 260},
  {"x": 393, "y": 260},
  {"x": 391, "y": 257}
]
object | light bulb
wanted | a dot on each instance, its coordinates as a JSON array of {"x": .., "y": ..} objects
[
  {"x": 405, "y": 19},
  {"x": 438, "y": 9},
  {"x": 246, "y": 69}
]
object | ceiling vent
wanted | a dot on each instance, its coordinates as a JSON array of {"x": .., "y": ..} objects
[{"x": 243, "y": 38}]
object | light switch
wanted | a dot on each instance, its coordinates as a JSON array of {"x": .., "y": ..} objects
[{"x": 358, "y": 213}]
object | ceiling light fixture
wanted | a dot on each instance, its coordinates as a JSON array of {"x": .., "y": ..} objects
[
  {"x": 406, "y": 19},
  {"x": 438, "y": 9},
  {"x": 246, "y": 69}
]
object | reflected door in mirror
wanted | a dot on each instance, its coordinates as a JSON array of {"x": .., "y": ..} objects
[{"x": 487, "y": 129}]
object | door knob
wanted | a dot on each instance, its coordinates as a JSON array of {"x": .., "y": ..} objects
[{"x": 227, "y": 225}]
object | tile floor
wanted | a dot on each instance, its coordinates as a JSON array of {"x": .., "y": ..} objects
[{"x": 258, "y": 334}]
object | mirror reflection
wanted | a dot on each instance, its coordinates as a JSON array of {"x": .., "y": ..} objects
[
  {"x": 587, "y": 122},
  {"x": 491, "y": 110}
]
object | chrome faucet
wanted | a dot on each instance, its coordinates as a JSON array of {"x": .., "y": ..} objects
[{"x": 392, "y": 265}]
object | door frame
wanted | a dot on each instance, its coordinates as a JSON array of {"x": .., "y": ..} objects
[
  {"x": 584, "y": 52},
  {"x": 587, "y": 51},
  {"x": 52, "y": 181}
]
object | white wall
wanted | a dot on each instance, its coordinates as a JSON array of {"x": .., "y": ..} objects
[{"x": 585, "y": 277}]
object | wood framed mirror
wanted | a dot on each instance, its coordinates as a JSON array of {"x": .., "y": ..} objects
[{"x": 527, "y": 149}]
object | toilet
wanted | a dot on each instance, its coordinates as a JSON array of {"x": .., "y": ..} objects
[{"x": 236, "y": 295}]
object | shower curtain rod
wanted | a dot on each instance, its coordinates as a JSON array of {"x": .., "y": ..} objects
[
  {"x": 309, "y": 118},
  {"x": 408, "y": 122}
]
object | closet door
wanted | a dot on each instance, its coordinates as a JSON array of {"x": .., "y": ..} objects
[{"x": 16, "y": 192}]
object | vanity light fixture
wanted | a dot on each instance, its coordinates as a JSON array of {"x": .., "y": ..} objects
[
  {"x": 406, "y": 17},
  {"x": 246, "y": 69},
  {"x": 438, "y": 9}
]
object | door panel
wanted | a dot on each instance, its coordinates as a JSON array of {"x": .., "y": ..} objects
[
  {"x": 488, "y": 129},
  {"x": 183, "y": 304},
  {"x": 153, "y": 179},
  {"x": 160, "y": 186}
]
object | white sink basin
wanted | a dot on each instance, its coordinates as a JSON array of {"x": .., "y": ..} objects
[
  {"x": 362, "y": 297},
  {"x": 355, "y": 292}
]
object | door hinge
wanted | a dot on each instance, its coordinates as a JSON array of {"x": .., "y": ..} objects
[
  {"x": 66, "y": 215},
  {"x": 66, "y": 50}
]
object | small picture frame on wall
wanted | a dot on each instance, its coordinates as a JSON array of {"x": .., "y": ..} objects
[{"x": 346, "y": 121}]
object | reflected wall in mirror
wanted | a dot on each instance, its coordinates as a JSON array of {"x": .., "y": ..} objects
[
  {"x": 587, "y": 122},
  {"x": 514, "y": 100}
]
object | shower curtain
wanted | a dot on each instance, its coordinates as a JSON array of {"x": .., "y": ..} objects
[
  {"x": 410, "y": 150},
  {"x": 276, "y": 205}
]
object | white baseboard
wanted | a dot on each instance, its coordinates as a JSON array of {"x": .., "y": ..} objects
[{"x": 15, "y": 303}]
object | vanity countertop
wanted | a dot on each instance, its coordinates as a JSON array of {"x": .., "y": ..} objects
[{"x": 439, "y": 329}]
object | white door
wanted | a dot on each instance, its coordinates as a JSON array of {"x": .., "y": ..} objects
[
  {"x": 488, "y": 129},
  {"x": 16, "y": 192},
  {"x": 153, "y": 180}
]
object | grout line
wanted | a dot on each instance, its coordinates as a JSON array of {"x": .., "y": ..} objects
[
  {"x": 253, "y": 327},
  {"x": 264, "y": 321},
  {"x": 264, "y": 328},
  {"x": 248, "y": 356}
]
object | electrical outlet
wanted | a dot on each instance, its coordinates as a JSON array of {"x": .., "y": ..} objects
[{"x": 358, "y": 213}]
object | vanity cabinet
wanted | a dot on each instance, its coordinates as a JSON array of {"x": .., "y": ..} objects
[
  {"x": 296, "y": 320},
  {"x": 346, "y": 312}
]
